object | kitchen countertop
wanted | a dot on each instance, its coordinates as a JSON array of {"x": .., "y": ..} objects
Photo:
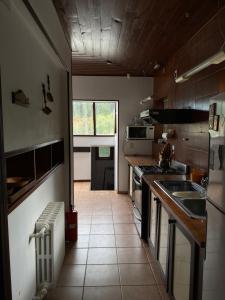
[
  {"x": 140, "y": 160},
  {"x": 195, "y": 227}
]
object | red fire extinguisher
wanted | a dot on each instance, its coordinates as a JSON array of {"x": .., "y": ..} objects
[{"x": 71, "y": 224}]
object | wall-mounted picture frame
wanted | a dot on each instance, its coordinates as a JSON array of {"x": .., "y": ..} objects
[
  {"x": 211, "y": 122},
  {"x": 216, "y": 122},
  {"x": 212, "y": 109},
  {"x": 20, "y": 98}
]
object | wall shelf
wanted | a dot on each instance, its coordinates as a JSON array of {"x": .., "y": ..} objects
[
  {"x": 28, "y": 168},
  {"x": 43, "y": 160}
]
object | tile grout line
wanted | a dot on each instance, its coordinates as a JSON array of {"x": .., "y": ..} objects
[
  {"x": 86, "y": 260},
  {"x": 150, "y": 265},
  {"x": 142, "y": 246},
  {"x": 118, "y": 269},
  {"x": 121, "y": 294}
]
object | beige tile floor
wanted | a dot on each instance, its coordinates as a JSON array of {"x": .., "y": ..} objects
[{"x": 109, "y": 261}]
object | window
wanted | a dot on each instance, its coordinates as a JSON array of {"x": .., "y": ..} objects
[
  {"x": 83, "y": 118},
  {"x": 105, "y": 118},
  {"x": 104, "y": 152},
  {"x": 95, "y": 118}
]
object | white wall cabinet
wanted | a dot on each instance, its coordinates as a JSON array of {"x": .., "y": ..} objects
[{"x": 82, "y": 165}]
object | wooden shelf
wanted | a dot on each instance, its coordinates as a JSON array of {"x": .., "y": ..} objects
[
  {"x": 43, "y": 160},
  {"x": 27, "y": 168},
  {"x": 57, "y": 150}
]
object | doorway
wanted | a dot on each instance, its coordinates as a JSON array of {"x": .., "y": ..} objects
[{"x": 95, "y": 143}]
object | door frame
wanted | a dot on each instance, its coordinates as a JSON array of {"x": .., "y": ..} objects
[
  {"x": 70, "y": 139},
  {"x": 117, "y": 143},
  {"x": 5, "y": 276}
]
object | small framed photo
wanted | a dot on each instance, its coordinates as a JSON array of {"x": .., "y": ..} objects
[
  {"x": 212, "y": 109},
  {"x": 211, "y": 122},
  {"x": 216, "y": 122}
]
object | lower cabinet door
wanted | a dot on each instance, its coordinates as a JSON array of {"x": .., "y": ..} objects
[
  {"x": 130, "y": 181},
  {"x": 163, "y": 250},
  {"x": 182, "y": 261},
  {"x": 153, "y": 221}
]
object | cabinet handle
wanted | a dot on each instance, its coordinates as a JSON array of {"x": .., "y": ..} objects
[
  {"x": 136, "y": 216},
  {"x": 171, "y": 221},
  {"x": 136, "y": 182}
]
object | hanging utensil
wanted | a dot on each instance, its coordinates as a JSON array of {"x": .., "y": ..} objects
[
  {"x": 20, "y": 98},
  {"x": 45, "y": 108},
  {"x": 49, "y": 95}
]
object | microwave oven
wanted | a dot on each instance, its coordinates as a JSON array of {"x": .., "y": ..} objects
[{"x": 140, "y": 132}]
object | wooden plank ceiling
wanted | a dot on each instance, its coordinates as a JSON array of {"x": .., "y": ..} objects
[{"x": 116, "y": 37}]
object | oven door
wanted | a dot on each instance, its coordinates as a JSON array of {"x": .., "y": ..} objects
[{"x": 137, "y": 201}]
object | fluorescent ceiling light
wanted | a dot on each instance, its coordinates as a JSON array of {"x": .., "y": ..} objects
[{"x": 213, "y": 60}]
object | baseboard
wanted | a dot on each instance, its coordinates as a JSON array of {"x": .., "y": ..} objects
[
  {"x": 82, "y": 180},
  {"x": 122, "y": 192}
]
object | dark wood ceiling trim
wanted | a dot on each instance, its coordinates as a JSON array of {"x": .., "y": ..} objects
[
  {"x": 43, "y": 30},
  {"x": 215, "y": 16}
]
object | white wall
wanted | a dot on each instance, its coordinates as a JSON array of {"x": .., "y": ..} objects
[
  {"x": 21, "y": 225},
  {"x": 25, "y": 59},
  {"x": 25, "y": 63},
  {"x": 129, "y": 92}
]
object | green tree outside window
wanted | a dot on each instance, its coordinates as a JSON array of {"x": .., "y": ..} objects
[{"x": 93, "y": 118}]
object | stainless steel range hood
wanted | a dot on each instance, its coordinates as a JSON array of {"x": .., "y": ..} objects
[{"x": 174, "y": 116}]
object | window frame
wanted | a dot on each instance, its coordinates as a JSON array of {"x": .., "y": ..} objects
[
  {"x": 110, "y": 157},
  {"x": 94, "y": 118}
]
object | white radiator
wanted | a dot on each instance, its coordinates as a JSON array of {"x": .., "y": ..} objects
[{"x": 50, "y": 246}]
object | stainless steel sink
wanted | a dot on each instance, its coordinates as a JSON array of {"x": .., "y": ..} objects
[
  {"x": 179, "y": 185},
  {"x": 195, "y": 207}
]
